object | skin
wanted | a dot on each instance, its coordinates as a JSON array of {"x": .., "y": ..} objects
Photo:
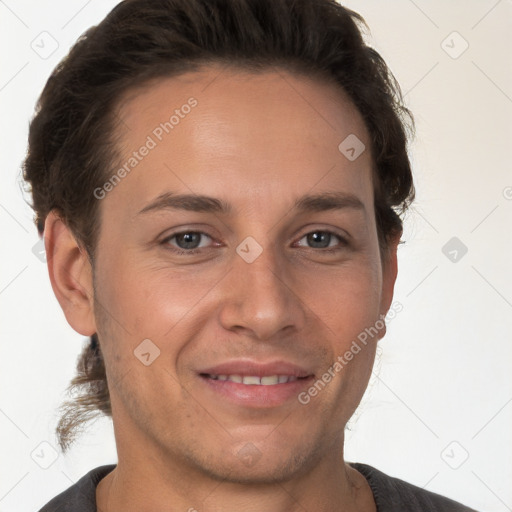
[{"x": 257, "y": 142}]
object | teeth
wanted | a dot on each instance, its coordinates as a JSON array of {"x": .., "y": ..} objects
[
  {"x": 251, "y": 381},
  {"x": 270, "y": 380},
  {"x": 254, "y": 380}
]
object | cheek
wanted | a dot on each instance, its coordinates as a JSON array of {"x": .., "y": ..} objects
[
  {"x": 346, "y": 300},
  {"x": 168, "y": 296},
  {"x": 145, "y": 300},
  {"x": 133, "y": 289}
]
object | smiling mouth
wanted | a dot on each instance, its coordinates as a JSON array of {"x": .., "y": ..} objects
[{"x": 254, "y": 380}]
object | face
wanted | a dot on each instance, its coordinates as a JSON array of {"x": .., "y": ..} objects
[{"x": 237, "y": 261}]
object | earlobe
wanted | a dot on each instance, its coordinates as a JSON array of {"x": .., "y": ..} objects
[{"x": 70, "y": 274}]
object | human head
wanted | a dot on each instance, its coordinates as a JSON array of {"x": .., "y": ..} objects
[{"x": 72, "y": 141}]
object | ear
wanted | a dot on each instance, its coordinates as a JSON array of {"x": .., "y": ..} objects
[
  {"x": 389, "y": 273},
  {"x": 70, "y": 275}
]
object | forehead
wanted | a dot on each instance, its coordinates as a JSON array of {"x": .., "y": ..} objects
[{"x": 253, "y": 136}]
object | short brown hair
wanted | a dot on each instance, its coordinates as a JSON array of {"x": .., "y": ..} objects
[{"x": 71, "y": 146}]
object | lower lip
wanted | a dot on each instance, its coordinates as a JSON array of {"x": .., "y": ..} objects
[{"x": 257, "y": 395}]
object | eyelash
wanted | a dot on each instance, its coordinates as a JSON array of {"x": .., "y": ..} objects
[{"x": 343, "y": 243}]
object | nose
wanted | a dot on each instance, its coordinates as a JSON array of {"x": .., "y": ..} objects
[{"x": 259, "y": 298}]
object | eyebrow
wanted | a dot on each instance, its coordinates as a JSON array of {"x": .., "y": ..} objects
[{"x": 206, "y": 204}]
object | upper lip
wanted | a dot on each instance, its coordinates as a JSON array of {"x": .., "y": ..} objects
[{"x": 247, "y": 367}]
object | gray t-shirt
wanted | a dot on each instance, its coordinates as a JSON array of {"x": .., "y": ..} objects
[{"x": 390, "y": 494}]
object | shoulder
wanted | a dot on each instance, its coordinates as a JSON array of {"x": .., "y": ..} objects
[
  {"x": 393, "y": 494},
  {"x": 81, "y": 496}
]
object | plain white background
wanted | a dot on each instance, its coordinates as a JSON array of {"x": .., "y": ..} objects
[{"x": 439, "y": 407}]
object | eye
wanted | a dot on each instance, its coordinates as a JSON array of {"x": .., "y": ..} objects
[
  {"x": 187, "y": 241},
  {"x": 321, "y": 240}
]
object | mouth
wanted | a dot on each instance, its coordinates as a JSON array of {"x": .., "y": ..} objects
[
  {"x": 250, "y": 384},
  {"x": 254, "y": 380}
]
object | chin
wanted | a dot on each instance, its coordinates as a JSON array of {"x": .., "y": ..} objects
[
  {"x": 249, "y": 465},
  {"x": 259, "y": 474}
]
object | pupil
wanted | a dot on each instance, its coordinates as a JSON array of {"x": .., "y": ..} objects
[
  {"x": 188, "y": 240},
  {"x": 319, "y": 239}
]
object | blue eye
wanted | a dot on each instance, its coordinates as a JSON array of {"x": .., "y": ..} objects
[
  {"x": 322, "y": 240},
  {"x": 191, "y": 242},
  {"x": 187, "y": 241}
]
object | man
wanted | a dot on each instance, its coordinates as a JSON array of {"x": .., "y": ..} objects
[{"x": 218, "y": 185}]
